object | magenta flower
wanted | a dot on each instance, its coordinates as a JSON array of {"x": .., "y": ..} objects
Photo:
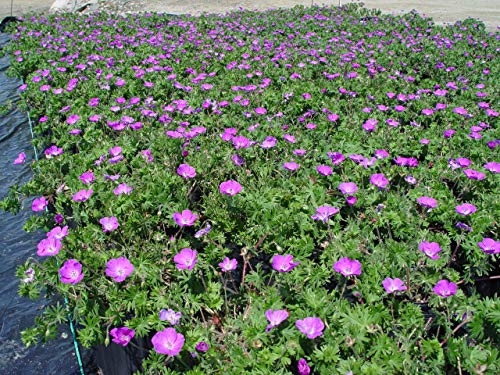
[
  {"x": 283, "y": 263},
  {"x": 168, "y": 342},
  {"x": 291, "y": 166},
  {"x": 186, "y": 171},
  {"x": 311, "y": 327},
  {"x": 302, "y": 367},
  {"x": 39, "y": 204},
  {"x": 122, "y": 335},
  {"x": 228, "y": 265},
  {"x": 58, "y": 232},
  {"x": 185, "y": 219},
  {"x": 240, "y": 141},
  {"x": 474, "y": 175},
  {"x": 275, "y": 317},
  {"x": 393, "y": 285},
  {"x": 336, "y": 157},
  {"x": 123, "y": 189},
  {"x": 324, "y": 170},
  {"x": 431, "y": 249},
  {"x": 82, "y": 195},
  {"x": 186, "y": 259},
  {"x": 350, "y": 200},
  {"x": 87, "y": 177},
  {"x": 348, "y": 267},
  {"x": 71, "y": 272},
  {"x": 72, "y": 119},
  {"x": 202, "y": 346},
  {"x": 269, "y": 142},
  {"x": 230, "y": 188},
  {"x": 323, "y": 213},
  {"x": 119, "y": 269},
  {"x": 492, "y": 166},
  {"x": 53, "y": 151},
  {"x": 465, "y": 209},
  {"x": 289, "y": 138},
  {"x": 379, "y": 180},
  {"x": 49, "y": 247},
  {"x": 21, "y": 158},
  {"x": 427, "y": 202},
  {"x": 348, "y": 188},
  {"x": 170, "y": 316},
  {"x": 333, "y": 117},
  {"x": 260, "y": 111},
  {"x": 109, "y": 224},
  {"x": 445, "y": 288},
  {"x": 489, "y": 246}
]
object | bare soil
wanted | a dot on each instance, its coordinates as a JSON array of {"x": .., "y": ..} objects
[{"x": 442, "y": 11}]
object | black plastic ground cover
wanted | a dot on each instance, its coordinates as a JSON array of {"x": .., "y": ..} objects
[{"x": 16, "y": 246}]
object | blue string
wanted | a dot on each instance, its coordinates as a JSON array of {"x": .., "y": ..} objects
[{"x": 66, "y": 303}]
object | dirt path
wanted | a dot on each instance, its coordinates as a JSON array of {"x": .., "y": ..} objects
[{"x": 443, "y": 11}]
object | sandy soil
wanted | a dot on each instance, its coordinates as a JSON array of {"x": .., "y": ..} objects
[{"x": 442, "y": 11}]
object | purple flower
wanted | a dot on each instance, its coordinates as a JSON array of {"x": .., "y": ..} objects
[
  {"x": 119, "y": 269},
  {"x": 148, "y": 156},
  {"x": 449, "y": 133},
  {"x": 302, "y": 367},
  {"x": 381, "y": 154},
  {"x": 185, "y": 219},
  {"x": 82, "y": 195},
  {"x": 122, "y": 336},
  {"x": 370, "y": 125},
  {"x": 49, "y": 247},
  {"x": 465, "y": 209},
  {"x": 59, "y": 218},
  {"x": 72, "y": 119},
  {"x": 492, "y": 166},
  {"x": 123, "y": 189},
  {"x": 202, "y": 346},
  {"x": 58, "y": 232},
  {"x": 30, "y": 276},
  {"x": 168, "y": 342},
  {"x": 348, "y": 267},
  {"x": 489, "y": 246},
  {"x": 39, "y": 204},
  {"x": 463, "y": 226},
  {"x": 393, "y": 285},
  {"x": 186, "y": 259},
  {"x": 275, "y": 317},
  {"x": 240, "y": 141},
  {"x": 474, "y": 175},
  {"x": 260, "y": 111},
  {"x": 379, "y": 180},
  {"x": 323, "y": 213},
  {"x": 230, "y": 188},
  {"x": 427, "y": 202},
  {"x": 21, "y": 158},
  {"x": 186, "y": 171},
  {"x": 289, "y": 138},
  {"x": 109, "y": 224},
  {"x": 311, "y": 327},
  {"x": 348, "y": 188},
  {"x": 283, "y": 263},
  {"x": 269, "y": 142},
  {"x": 445, "y": 288},
  {"x": 87, "y": 177},
  {"x": 53, "y": 151},
  {"x": 291, "y": 166},
  {"x": 324, "y": 170},
  {"x": 228, "y": 265},
  {"x": 333, "y": 117},
  {"x": 203, "y": 232},
  {"x": 350, "y": 200},
  {"x": 238, "y": 160},
  {"x": 431, "y": 249},
  {"x": 71, "y": 272},
  {"x": 411, "y": 180},
  {"x": 171, "y": 316},
  {"x": 336, "y": 157}
]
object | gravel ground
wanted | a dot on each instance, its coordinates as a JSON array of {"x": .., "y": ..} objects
[{"x": 443, "y": 11}]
